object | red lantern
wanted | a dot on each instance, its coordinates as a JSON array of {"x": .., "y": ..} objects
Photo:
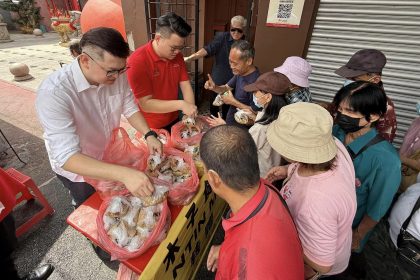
[{"x": 103, "y": 13}]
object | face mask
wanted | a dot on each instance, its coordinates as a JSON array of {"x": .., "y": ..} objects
[
  {"x": 347, "y": 82},
  {"x": 348, "y": 124},
  {"x": 255, "y": 101},
  {"x": 418, "y": 108}
]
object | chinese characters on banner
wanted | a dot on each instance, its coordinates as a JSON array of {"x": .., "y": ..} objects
[{"x": 285, "y": 13}]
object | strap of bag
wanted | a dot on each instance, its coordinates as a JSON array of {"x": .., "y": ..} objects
[
  {"x": 378, "y": 138},
  {"x": 407, "y": 221}
]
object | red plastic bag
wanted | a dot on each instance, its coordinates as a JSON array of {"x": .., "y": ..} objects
[
  {"x": 120, "y": 150},
  {"x": 163, "y": 136},
  {"x": 177, "y": 129},
  {"x": 179, "y": 193},
  {"x": 157, "y": 235}
]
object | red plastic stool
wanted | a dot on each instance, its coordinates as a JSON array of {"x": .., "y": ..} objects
[{"x": 27, "y": 189}]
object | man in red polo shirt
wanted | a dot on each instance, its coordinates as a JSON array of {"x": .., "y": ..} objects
[
  {"x": 261, "y": 241},
  {"x": 157, "y": 69}
]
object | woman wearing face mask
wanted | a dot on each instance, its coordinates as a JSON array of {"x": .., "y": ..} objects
[
  {"x": 410, "y": 154},
  {"x": 376, "y": 162},
  {"x": 269, "y": 97}
]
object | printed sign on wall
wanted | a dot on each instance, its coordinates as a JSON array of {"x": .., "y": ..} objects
[{"x": 285, "y": 13}]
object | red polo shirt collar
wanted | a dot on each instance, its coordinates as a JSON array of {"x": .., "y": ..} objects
[
  {"x": 246, "y": 209},
  {"x": 152, "y": 52}
]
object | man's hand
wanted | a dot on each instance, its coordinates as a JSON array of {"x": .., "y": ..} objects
[
  {"x": 215, "y": 121},
  {"x": 228, "y": 98},
  {"x": 213, "y": 258},
  {"x": 137, "y": 182},
  {"x": 189, "y": 109},
  {"x": 210, "y": 85},
  {"x": 276, "y": 173},
  {"x": 154, "y": 145},
  {"x": 187, "y": 59}
]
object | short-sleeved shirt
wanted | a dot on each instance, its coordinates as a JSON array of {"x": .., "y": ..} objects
[
  {"x": 79, "y": 117},
  {"x": 238, "y": 83},
  {"x": 387, "y": 124},
  {"x": 261, "y": 241},
  {"x": 378, "y": 176},
  {"x": 148, "y": 74},
  {"x": 400, "y": 212},
  {"x": 323, "y": 208},
  {"x": 220, "y": 48}
]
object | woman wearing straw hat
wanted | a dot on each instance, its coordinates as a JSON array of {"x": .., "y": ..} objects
[{"x": 319, "y": 189}]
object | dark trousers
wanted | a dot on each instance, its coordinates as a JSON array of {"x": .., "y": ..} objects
[
  {"x": 79, "y": 191},
  {"x": 8, "y": 243}
]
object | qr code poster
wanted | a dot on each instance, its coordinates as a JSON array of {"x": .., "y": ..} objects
[{"x": 285, "y": 13}]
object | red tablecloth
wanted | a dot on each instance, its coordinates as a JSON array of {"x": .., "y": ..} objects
[{"x": 83, "y": 219}]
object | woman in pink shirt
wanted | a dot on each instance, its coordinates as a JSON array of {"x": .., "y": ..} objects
[{"x": 320, "y": 188}]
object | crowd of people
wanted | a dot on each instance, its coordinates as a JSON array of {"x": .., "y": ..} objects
[{"x": 310, "y": 186}]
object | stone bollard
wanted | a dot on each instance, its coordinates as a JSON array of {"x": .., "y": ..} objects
[
  {"x": 20, "y": 71},
  {"x": 37, "y": 32},
  {"x": 4, "y": 33}
]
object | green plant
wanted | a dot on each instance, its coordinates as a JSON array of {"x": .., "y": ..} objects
[{"x": 28, "y": 14}]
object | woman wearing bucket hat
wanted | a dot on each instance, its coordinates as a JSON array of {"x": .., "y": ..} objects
[
  {"x": 319, "y": 189},
  {"x": 376, "y": 162},
  {"x": 297, "y": 70}
]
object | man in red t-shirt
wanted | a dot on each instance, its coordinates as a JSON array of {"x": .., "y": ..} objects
[
  {"x": 261, "y": 241},
  {"x": 157, "y": 69}
]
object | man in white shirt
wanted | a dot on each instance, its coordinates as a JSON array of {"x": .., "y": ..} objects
[{"x": 79, "y": 106}]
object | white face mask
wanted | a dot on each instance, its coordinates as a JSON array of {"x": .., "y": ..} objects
[{"x": 347, "y": 82}]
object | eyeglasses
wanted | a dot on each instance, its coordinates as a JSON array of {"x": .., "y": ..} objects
[
  {"x": 109, "y": 73},
  {"x": 174, "y": 49},
  {"x": 236, "y": 30}
]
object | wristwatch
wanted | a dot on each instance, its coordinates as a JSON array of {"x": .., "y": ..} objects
[{"x": 150, "y": 133}]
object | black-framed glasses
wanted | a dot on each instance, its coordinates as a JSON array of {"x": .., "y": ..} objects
[
  {"x": 109, "y": 73},
  {"x": 236, "y": 30},
  {"x": 174, "y": 49}
]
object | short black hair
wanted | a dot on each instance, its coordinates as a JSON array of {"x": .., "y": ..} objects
[
  {"x": 364, "y": 97},
  {"x": 74, "y": 46},
  {"x": 107, "y": 39},
  {"x": 172, "y": 23},
  {"x": 271, "y": 112},
  {"x": 231, "y": 152},
  {"x": 246, "y": 49}
]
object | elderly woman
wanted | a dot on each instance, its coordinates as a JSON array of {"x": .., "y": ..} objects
[
  {"x": 376, "y": 162},
  {"x": 219, "y": 48},
  {"x": 319, "y": 189}
]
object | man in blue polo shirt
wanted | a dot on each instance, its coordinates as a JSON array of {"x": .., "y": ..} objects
[{"x": 376, "y": 162}]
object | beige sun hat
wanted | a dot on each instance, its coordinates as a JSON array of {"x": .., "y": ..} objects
[{"x": 303, "y": 133}]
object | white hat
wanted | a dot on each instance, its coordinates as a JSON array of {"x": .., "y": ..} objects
[{"x": 297, "y": 70}]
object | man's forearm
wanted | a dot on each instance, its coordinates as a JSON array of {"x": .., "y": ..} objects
[
  {"x": 139, "y": 123},
  {"x": 187, "y": 92},
  {"x": 160, "y": 106},
  {"x": 86, "y": 166},
  {"x": 201, "y": 53}
]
